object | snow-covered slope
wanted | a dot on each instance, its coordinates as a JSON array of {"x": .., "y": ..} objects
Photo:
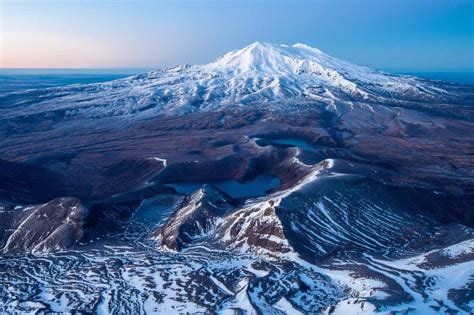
[{"x": 255, "y": 75}]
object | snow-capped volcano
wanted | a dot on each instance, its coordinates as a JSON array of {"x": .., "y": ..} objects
[
  {"x": 256, "y": 74},
  {"x": 268, "y": 72}
]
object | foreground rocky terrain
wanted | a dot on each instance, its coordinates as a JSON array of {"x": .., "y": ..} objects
[{"x": 274, "y": 180}]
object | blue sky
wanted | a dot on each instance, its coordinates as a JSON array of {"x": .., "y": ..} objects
[{"x": 397, "y": 34}]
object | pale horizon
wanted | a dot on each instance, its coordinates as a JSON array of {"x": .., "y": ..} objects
[{"x": 395, "y": 34}]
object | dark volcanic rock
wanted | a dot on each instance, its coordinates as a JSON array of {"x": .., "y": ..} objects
[{"x": 195, "y": 217}]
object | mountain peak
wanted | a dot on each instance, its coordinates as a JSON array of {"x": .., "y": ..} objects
[
  {"x": 258, "y": 45},
  {"x": 267, "y": 58}
]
